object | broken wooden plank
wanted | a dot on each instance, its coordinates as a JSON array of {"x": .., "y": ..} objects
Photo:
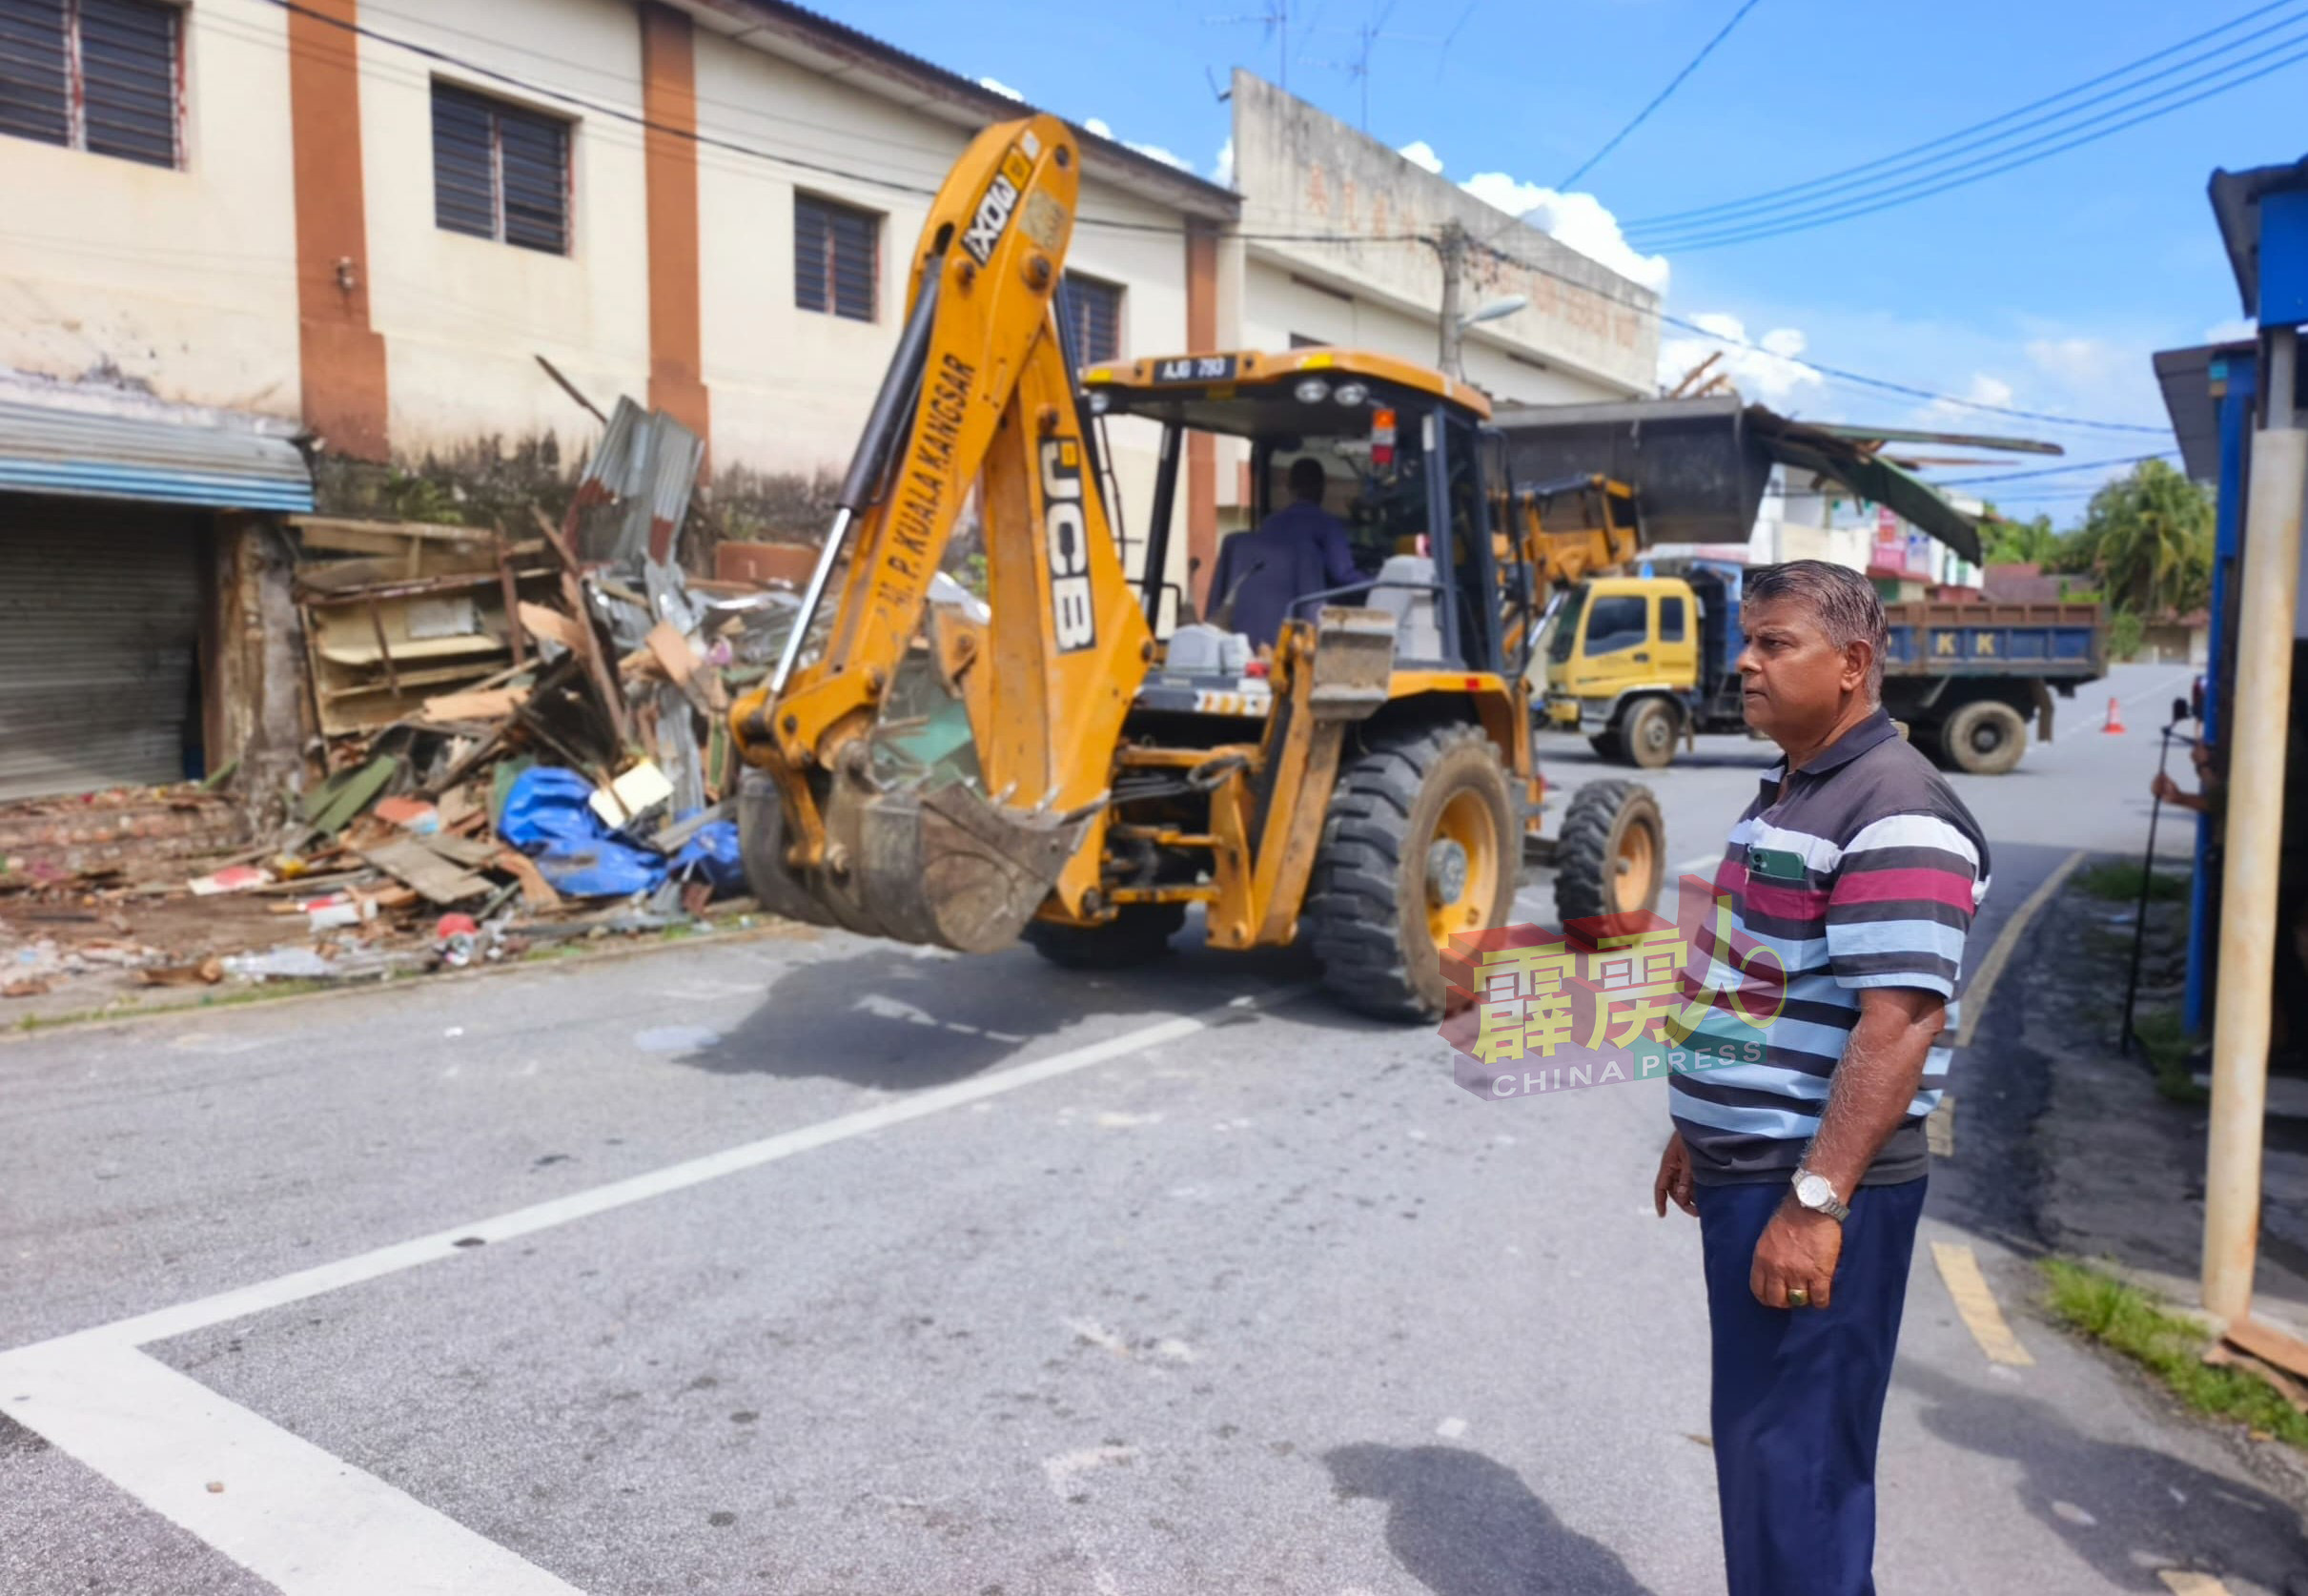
[
  {"x": 597, "y": 661},
  {"x": 535, "y": 892},
  {"x": 673, "y": 652},
  {"x": 2270, "y": 1346},
  {"x": 512, "y": 595},
  {"x": 435, "y": 878},
  {"x": 472, "y": 852},
  {"x": 539, "y": 621},
  {"x": 484, "y": 706}
]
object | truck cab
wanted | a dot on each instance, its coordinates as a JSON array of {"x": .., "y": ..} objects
[{"x": 1634, "y": 662}]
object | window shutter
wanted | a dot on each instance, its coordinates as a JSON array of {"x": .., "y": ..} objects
[
  {"x": 836, "y": 259},
  {"x": 128, "y": 74},
  {"x": 36, "y": 101},
  {"x": 1093, "y": 314},
  {"x": 534, "y": 152},
  {"x": 463, "y": 164}
]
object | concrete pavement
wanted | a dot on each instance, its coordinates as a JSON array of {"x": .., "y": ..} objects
[{"x": 819, "y": 1265}]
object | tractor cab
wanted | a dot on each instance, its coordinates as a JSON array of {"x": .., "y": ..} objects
[{"x": 1404, "y": 451}]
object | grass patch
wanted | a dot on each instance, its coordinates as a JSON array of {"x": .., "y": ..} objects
[
  {"x": 2135, "y": 1324},
  {"x": 2118, "y": 880},
  {"x": 2166, "y": 1044}
]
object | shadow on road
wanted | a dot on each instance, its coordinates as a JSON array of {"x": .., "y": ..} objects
[
  {"x": 2137, "y": 1501},
  {"x": 1464, "y": 1526},
  {"x": 896, "y": 1018}
]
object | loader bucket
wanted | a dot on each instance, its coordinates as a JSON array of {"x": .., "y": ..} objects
[{"x": 937, "y": 865}]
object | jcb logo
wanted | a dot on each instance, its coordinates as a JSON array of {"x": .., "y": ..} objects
[
  {"x": 1073, "y": 621},
  {"x": 994, "y": 209}
]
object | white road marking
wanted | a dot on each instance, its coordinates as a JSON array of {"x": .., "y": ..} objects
[
  {"x": 315, "y": 1525},
  {"x": 1991, "y": 968},
  {"x": 1700, "y": 865},
  {"x": 1451, "y": 1429},
  {"x": 288, "y": 1512}
]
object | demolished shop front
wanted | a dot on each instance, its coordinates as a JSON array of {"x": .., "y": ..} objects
[{"x": 136, "y": 556}]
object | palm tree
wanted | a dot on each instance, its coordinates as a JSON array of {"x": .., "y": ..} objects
[{"x": 2149, "y": 536}]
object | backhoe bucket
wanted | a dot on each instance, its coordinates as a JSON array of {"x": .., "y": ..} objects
[{"x": 940, "y": 866}]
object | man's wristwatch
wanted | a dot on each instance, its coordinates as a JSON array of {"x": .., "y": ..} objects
[{"x": 1817, "y": 1193}]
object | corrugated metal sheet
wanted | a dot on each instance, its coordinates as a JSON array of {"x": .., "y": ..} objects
[
  {"x": 100, "y": 628},
  {"x": 90, "y": 454}
]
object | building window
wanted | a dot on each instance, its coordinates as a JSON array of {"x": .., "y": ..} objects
[
  {"x": 1093, "y": 314},
  {"x": 500, "y": 172},
  {"x": 837, "y": 259},
  {"x": 98, "y": 75}
]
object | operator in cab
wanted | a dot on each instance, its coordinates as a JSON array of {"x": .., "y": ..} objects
[{"x": 1300, "y": 550}]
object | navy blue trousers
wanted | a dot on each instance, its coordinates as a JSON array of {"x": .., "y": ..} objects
[{"x": 1799, "y": 1393}]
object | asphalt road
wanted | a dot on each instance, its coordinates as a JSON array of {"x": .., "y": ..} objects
[{"x": 809, "y": 1264}]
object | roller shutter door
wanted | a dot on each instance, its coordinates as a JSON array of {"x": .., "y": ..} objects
[{"x": 99, "y": 634}]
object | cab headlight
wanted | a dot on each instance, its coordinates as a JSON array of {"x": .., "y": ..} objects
[
  {"x": 1312, "y": 390},
  {"x": 1351, "y": 394}
]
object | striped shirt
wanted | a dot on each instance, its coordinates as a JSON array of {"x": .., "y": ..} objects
[{"x": 1866, "y": 874}]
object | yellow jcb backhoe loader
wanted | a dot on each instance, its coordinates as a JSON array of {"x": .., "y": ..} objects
[{"x": 943, "y": 772}]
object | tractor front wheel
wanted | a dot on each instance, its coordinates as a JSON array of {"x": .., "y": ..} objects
[
  {"x": 1610, "y": 858},
  {"x": 1423, "y": 841}
]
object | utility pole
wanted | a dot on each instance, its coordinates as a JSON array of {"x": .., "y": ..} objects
[{"x": 1451, "y": 244}]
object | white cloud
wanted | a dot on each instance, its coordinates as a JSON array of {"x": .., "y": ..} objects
[
  {"x": 1157, "y": 152},
  {"x": 1097, "y": 125},
  {"x": 1222, "y": 171},
  {"x": 1000, "y": 88},
  {"x": 1765, "y": 368},
  {"x": 1579, "y": 221},
  {"x": 2242, "y": 329},
  {"x": 2080, "y": 363},
  {"x": 1420, "y": 154},
  {"x": 1984, "y": 389}
]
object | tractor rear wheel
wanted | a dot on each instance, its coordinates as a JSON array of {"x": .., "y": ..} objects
[
  {"x": 1423, "y": 841},
  {"x": 1610, "y": 858},
  {"x": 1138, "y": 934}
]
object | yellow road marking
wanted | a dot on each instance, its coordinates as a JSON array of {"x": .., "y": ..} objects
[
  {"x": 1959, "y": 1269},
  {"x": 1939, "y": 1127},
  {"x": 2187, "y": 1582},
  {"x": 1991, "y": 968}
]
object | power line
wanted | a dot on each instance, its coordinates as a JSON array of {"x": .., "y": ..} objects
[
  {"x": 1791, "y": 225},
  {"x": 1658, "y": 99},
  {"x": 1752, "y": 201},
  {"x": 1996, "y": 162},
  {"x": 640, "y": 119},
  {"x": 1881, "y": 384},
  {"x": 2055, "y": 470}
]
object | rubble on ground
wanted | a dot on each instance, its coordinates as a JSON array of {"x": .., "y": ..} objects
[{"x": 522, "y": 738}]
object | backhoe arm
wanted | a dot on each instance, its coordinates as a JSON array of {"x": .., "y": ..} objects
[{"x": 981, "y": 393}]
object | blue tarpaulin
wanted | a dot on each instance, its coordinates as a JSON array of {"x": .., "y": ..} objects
[{"x": 548, "y": 815}]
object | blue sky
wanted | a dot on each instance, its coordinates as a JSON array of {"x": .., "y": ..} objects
[{"x": 2045, "y": 288}]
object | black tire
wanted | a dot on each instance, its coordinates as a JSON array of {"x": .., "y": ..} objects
[
  {"x": 1650, "y": 730},
  {"x": 1608, "y": 747},
  {"x": 1367, "y": 911},
  {"x": 1138, "y": 934},
  {"x": 1592, "y": 853},
  {"x": 1985, "y": 737}
]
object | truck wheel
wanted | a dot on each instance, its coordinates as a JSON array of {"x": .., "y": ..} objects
[
  {"x": 1423, "y": 840},
  {"x": 1985, "y": 737},
  {"x": 1607, "y": 746},
  {"x": 1611, "y": 855},
  {"x": 1140, "y": 933},
  {"x": 1650, "y": 730}
]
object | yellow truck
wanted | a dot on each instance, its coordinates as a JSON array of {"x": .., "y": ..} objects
[{"x": 1637, "y": 663}]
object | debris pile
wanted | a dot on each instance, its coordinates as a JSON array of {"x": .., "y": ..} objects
[{"x": 522, "y": 738}]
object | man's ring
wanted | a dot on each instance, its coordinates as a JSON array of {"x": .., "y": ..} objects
[{"x": 1798, "y": 1298}]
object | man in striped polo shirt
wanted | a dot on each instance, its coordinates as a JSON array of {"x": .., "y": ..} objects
[{"x": 1858, "y": 869}]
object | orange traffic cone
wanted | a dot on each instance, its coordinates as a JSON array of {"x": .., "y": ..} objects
[{"x": 2115, "y": 719}]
